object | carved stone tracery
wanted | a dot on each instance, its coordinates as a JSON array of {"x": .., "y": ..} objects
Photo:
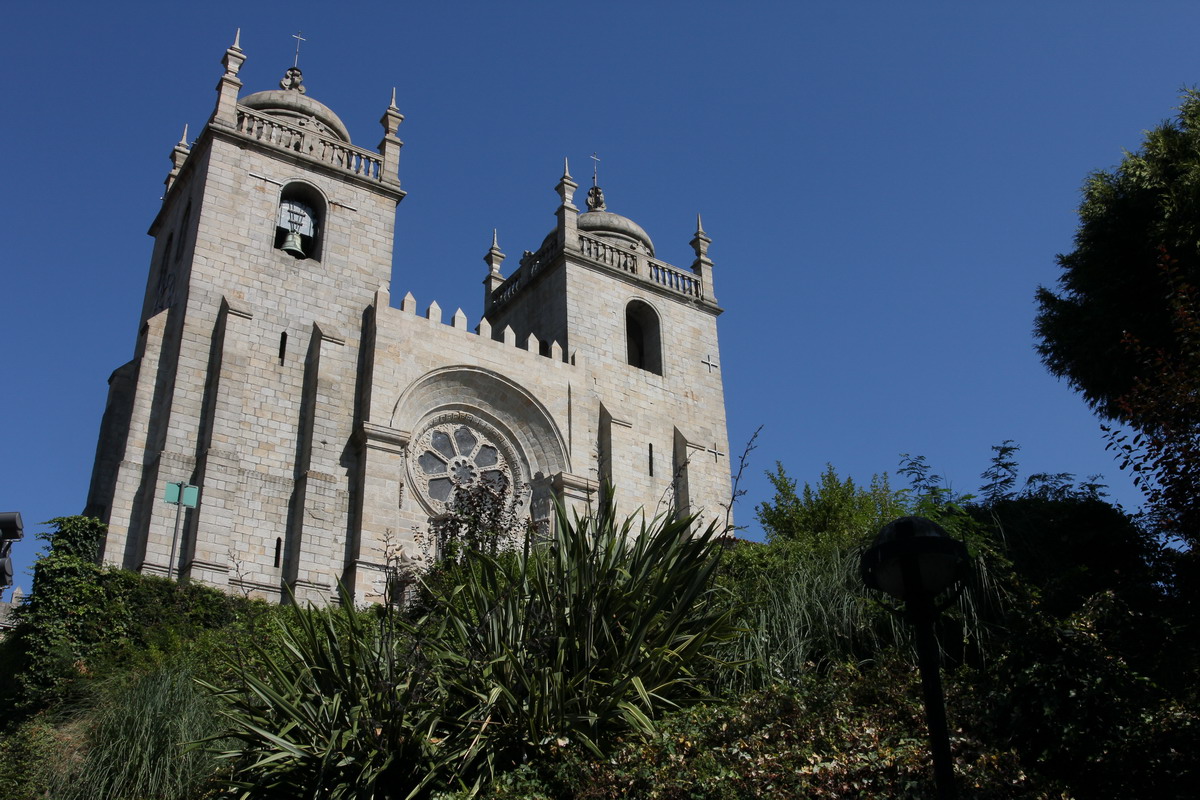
[{"x": 457, "y": 450}]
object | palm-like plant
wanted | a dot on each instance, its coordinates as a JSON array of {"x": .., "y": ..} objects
[
  {"x": 595, "y": 632},
  {"x": 339, "y": 712}
]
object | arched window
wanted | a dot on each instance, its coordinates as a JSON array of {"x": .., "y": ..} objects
[
  {"x": 300, "y": 220},
  {"x": 643, "y": 337}
]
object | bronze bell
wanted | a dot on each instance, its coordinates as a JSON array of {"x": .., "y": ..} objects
[{"x": 292, "y": 245}]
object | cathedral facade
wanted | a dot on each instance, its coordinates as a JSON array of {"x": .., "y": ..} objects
[{"x": 324, "y": 425}]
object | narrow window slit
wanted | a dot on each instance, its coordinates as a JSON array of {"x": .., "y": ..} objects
[
  {"x": 651, "y": 461},
  {"x": 278, "y": 550},
  {"x": 282, "y": 346}
]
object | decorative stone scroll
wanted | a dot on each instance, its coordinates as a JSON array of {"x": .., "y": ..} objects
[{"x": 293, "y": 80}]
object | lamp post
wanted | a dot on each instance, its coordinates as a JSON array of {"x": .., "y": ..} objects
[{"x": 914, "y": 560}]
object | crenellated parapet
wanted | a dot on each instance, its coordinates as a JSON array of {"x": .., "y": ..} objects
[{"x": 504, "y": 337}]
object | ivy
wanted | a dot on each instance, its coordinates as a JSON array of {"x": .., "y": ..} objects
[
  {"x": 66, "y": 618},
  {"x": 84, "y": 622}
]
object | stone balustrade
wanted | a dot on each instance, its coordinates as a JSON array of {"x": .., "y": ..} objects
[
  {"x": 675, "y": 279},
  {"x": 274, "y": 132},
  {"x": 610, "y": 255},
  {"x": 505, "y": 291},
  {"x": 532, "y": 263}
]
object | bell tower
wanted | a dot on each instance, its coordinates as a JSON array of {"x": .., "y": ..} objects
[
  {"x": 274, "y": 237},
  {"x": 646, "y": 331}
]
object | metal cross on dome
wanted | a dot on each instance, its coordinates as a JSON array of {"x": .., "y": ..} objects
[
  {"x": 299, "y": 38},
  {"x": 595, "y": 168}
]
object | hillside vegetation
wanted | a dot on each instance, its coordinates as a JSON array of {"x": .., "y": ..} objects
[{"x": 623, "y": 657}]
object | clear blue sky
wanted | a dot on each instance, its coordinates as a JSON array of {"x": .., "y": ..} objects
[{"x": 885, "y": 185}]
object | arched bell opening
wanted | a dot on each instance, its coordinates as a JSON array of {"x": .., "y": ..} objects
[
  {"x": 643, "y": 337},
  {"x": 299, "y": 224}
]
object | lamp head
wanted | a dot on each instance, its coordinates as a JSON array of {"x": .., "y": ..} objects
[
  {"x": 11, "y": 527},
  {"x": 913, "y": 557}
]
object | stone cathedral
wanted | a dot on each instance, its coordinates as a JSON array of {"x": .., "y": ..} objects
[{"x": 322, "y": 424}]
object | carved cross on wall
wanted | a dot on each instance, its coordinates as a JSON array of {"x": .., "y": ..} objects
[
  {"x": 708, "y": 362},
  {"x": 716, "y": 453}
]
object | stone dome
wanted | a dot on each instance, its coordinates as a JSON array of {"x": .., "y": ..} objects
[
  {"x": 298, "y": 109},
  {"x": 608, "y": 225}
]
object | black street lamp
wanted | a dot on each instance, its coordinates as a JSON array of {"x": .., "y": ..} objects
[
  {"x": 915, "y": 560},
  {"x": 11, "y": 530}
]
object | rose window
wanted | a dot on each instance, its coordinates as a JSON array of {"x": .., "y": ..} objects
[{"x": 452, "y": 455}]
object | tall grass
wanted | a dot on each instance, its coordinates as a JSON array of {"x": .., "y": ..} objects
[
  {"x": 137, "y": 741},
  {"x": 805, "y": 609}
]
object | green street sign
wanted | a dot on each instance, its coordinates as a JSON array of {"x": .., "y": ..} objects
[
  {"x": 180, "y": 493},
  {"x": 191, "y": 496}
]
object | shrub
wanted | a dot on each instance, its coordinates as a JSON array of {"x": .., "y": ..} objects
[
  {"x": 84, "y": 623},
  {"x": 850, "y": 732},
  {"x": 341, "y": 711},
  {"x": 66, "y": 616},
  {"x": 26, "y": 753},
  {"x": 594, "y": 633},
  {"x": 589, "y": 636}
]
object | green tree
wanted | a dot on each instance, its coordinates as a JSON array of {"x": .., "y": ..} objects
[
  {"x": 834, "y": 514},
  {"x": 1112, "y": 290}
]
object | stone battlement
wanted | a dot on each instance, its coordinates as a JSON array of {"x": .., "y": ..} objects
[{"x": 408, "y": 306}]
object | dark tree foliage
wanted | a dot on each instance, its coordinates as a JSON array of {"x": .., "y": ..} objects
[
  {"x": 1163, "y": 450},
  {"x": 1072, "y": 547},
  {"x": 1063, "y": 540},
  {"x": 1112, "y": 290}
]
